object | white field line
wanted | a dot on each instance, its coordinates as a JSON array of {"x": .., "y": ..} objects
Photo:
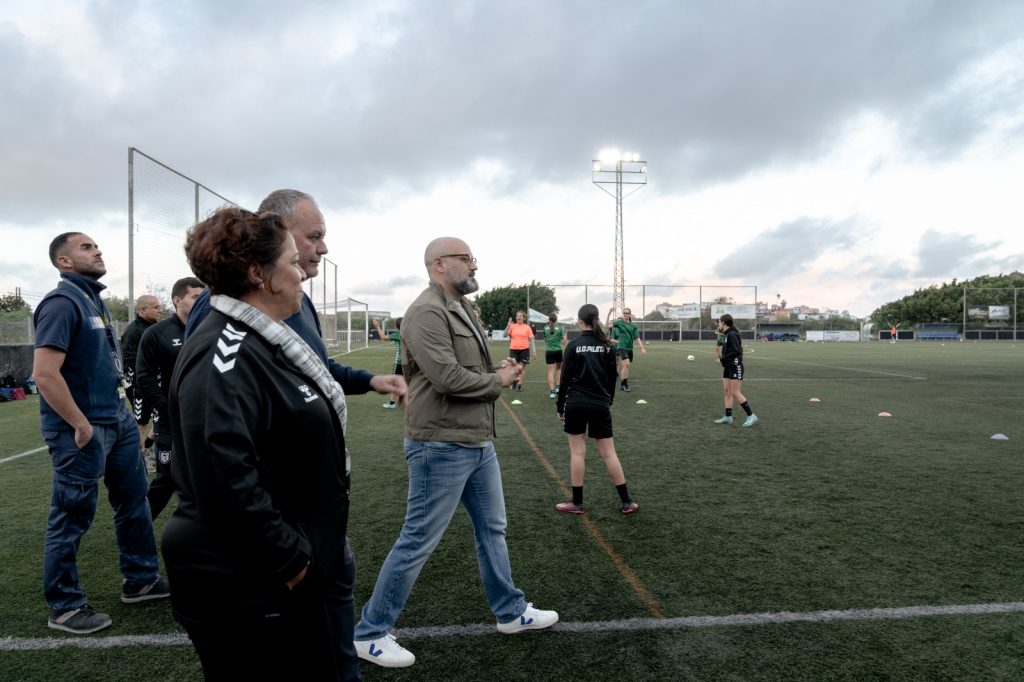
[
  {"x": 22, "y": 454},
  {"x": 849, "y": 369},
  {"x": 628, "y": 625}
]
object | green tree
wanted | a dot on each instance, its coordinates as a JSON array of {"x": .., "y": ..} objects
[
  {"x": 942, "y": 302},
  {"x": 120, "y": 308},
  {"x": 497, "y": 305},
  {"x": 12, "y": 303}
]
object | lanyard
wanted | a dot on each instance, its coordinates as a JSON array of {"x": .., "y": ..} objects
[{"x": 101, "y": 308}]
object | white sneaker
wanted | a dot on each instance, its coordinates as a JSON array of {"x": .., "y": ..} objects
[
  {"x": 384, "y": 651},
  {"x": 530, "y": 619}
]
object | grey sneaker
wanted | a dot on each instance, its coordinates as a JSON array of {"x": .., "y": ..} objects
[
  {"x": 724, "y": 420},
  {"x": 530, "y": 619},
  {"x": 80, "y": 621},
  {"x": 133, "y": 593},
  {"x": 384, "y": 651}
]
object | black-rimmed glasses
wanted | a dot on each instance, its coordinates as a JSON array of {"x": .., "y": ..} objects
[{"x": 466, "y": 258}]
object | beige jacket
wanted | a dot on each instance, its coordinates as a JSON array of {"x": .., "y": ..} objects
[{"x": 452, "y": 384}]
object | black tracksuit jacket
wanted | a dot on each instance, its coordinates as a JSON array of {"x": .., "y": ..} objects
[
  {"x": 588, "y": 373},
  {"x": 259, "y": 469}
]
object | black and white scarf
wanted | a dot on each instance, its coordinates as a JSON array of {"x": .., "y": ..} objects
[{"x": 294, "y": 348}]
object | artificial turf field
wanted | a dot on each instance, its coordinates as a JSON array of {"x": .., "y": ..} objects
[{"x": 826, "y": 542}]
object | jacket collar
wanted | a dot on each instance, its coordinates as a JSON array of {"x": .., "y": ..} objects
[{"x": 89, "y": 284}]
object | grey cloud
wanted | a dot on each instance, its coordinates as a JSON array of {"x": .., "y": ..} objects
[
  {"x": 785, "y": 250},
  {"x": 705, "y": 91},
  {"x": 942, "y": 254}
]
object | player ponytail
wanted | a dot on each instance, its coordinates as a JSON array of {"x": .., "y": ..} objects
[
  {"x": 552, "y": 318},
  {"x": 590, "y": 316}
]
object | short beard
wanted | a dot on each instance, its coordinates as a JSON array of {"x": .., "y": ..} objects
[{"x": 466, "y": 286}]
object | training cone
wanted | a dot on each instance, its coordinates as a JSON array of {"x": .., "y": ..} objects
[
  {"x": 641, "y": 402},
  {"x": 517, "y": 402},
  {"x": 814, "y": 400},
  {"x": 884, "y": 414},
  {"x": 1000, "y": 436}
]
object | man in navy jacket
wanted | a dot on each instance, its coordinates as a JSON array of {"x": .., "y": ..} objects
[{"x": 90, "y": 433}]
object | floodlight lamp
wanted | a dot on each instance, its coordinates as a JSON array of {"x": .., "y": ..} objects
[
  {"x": 643, "y": 168},
  {"x": 636, "y": 157},
  {"x": 609, "y": 155},
  {"x": 597, "y": 166}
]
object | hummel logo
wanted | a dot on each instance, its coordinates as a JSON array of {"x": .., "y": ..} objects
[
  {"x": 310, "y": 396},
  {"x": 232, "y": 334},
  {"x": 175, "y": 342}
]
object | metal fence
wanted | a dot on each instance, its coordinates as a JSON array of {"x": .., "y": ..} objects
[
  {"x": 13, "y": 332},
  {"x": 686, "y": 310},
  {"x": 162, "y": 204}
]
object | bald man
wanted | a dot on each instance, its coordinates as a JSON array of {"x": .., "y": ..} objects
[
  {"x": 147, "y": 313},
  {"x": 449, "y": 423}
]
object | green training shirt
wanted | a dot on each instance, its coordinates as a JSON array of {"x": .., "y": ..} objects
[
  {"x": 625, "y": 333},
  {"x": 553, "y": 339}
]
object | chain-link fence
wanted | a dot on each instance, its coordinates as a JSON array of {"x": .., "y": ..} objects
[
  {"x": 666, "y": 312},
  {"x": 162, "y": 204},
  {"x": 15, "y": 331}
]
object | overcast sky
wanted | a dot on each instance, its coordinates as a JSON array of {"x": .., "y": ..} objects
[{"x": 838, "y": 154}]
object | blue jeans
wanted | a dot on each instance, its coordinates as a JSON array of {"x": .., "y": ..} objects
[
  {"x": 114, "y": 454},
  {"x": 441, "y": 475}
]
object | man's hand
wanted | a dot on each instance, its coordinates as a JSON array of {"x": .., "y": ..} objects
[
  {"x": 83, "y": 434},
  {"x": 297, "y": 579},
  {"x": 390, "y": 383},
  {"x": 509, "y": 372}
]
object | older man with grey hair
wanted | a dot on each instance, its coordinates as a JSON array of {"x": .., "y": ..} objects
[{"x": 304, "y": 220}]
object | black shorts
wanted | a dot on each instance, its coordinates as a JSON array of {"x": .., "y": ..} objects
[
  {"x": 733, "y": 369},
  {"x": 625, "y": 354},
  {"x": 520, "y": 356},
  {"x": 553, "y": 357},
  {"x": 595, "y": 420}
]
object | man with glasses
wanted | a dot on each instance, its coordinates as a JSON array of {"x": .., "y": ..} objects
[
  {"x": 623, "y": 333},
  {"x": 90, "y": 433},
  {"x": 147, "y": 313},
  {"x": 449, "y": 424}
]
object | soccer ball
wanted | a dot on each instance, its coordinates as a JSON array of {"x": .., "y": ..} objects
[{"x": 690, "y": 358}]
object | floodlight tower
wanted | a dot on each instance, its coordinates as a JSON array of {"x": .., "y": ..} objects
[{"x": 614, "y": 168}]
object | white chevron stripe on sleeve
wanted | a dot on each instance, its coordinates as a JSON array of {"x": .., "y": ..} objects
[{"x": 222, "y": 366}]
